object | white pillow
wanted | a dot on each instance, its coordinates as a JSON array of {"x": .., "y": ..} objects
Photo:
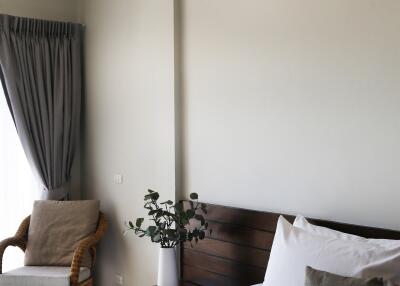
[
  {"x": 293, "y": 249},
  {"x": 301, "y": 222}
]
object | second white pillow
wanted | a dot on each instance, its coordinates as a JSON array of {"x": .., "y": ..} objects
[
  {"x": 303, "y": 223},
  {"x": 294, "y": 249}
]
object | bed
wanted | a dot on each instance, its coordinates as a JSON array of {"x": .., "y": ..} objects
[{"x": 237, "y": 251}]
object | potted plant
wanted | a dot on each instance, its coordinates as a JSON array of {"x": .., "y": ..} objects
[{"x": 172, "y": 224}]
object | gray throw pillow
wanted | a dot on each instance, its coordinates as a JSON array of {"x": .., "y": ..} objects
[
  {"x": 55, "y": 230},
  {"x": 321, "y": 278}
]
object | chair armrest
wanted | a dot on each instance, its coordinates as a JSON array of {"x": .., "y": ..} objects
[
  {"x": 19, "y": 240},
  {"x": 12, "y": 241},
  {"x": 87, "y": 244}
]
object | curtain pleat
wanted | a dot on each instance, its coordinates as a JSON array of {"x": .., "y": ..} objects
[{"x": 41, "y": 72}]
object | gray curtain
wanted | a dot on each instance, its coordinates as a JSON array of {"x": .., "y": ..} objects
[{"x": 40, "y": 69}]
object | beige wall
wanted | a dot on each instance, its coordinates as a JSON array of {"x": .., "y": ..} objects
[
  {"x": 129, "y": 123},
  {"x": 61, "y": 10},
  {"x": 294, "y": 106}
]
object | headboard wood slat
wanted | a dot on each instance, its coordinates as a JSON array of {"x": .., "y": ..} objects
[
  {"x": 220, "y": 265},
  {"x": 201, "y": 277},
  {"x": 243, "y": 254},
  {"x": 241, "y": 235}
]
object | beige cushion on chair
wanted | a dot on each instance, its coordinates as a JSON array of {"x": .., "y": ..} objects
[
  {"x": 55, "y": 230},
  {"x": 41, "y": 276}
]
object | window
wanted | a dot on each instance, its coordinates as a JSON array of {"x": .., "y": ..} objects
[{"x": 18, "y": 188}]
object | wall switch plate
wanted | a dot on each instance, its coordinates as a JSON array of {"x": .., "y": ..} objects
[
  {"x": 118, "y": 179},
  {"x": 119, "y": 280}
]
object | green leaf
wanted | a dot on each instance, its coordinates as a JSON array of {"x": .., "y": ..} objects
[
  {"x": 152, "y": 196},
  {"x": 156, "y": 238},
  {"x": 139, "y": 222},
  {"x": 190, "y": 213},
  {"x": 130, "y": 224},
  {"x": 194, "y": 196},
  {"x": 155, "y": 196},
  {"x": 152, "y": 212},
  {"x": 200, "y": 218},
  {"x": 170, "y": 231},
  {"x": 184, "y": 221},
  {"x": 202, "y": 234},
  {"x": 151, "y": 230},
  {"x": 178, "y": 207},
  {"x": 168, "y": 214},
  {"x": 169, "y": 202}
]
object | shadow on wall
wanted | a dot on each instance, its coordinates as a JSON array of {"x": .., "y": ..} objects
[{"x": 111, "y": 251}]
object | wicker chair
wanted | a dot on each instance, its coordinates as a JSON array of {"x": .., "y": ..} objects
[{"x": 20, "y": 240}]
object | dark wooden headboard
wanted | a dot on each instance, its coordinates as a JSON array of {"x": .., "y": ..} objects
[{"x": 237, "y": 252}]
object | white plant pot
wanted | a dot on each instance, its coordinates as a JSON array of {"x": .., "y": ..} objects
[{"x": 167, "y": 268}]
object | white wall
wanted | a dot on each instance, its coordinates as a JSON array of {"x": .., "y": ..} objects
[
  {"x": 294, "y": 106},
  {"x": 129, "y": 123},
  {"x": 61, "y": 10}
]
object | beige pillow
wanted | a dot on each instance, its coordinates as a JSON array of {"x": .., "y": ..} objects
[
  {"x": 55, "y": 230},
  {"x": 321, "y": 278}
]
